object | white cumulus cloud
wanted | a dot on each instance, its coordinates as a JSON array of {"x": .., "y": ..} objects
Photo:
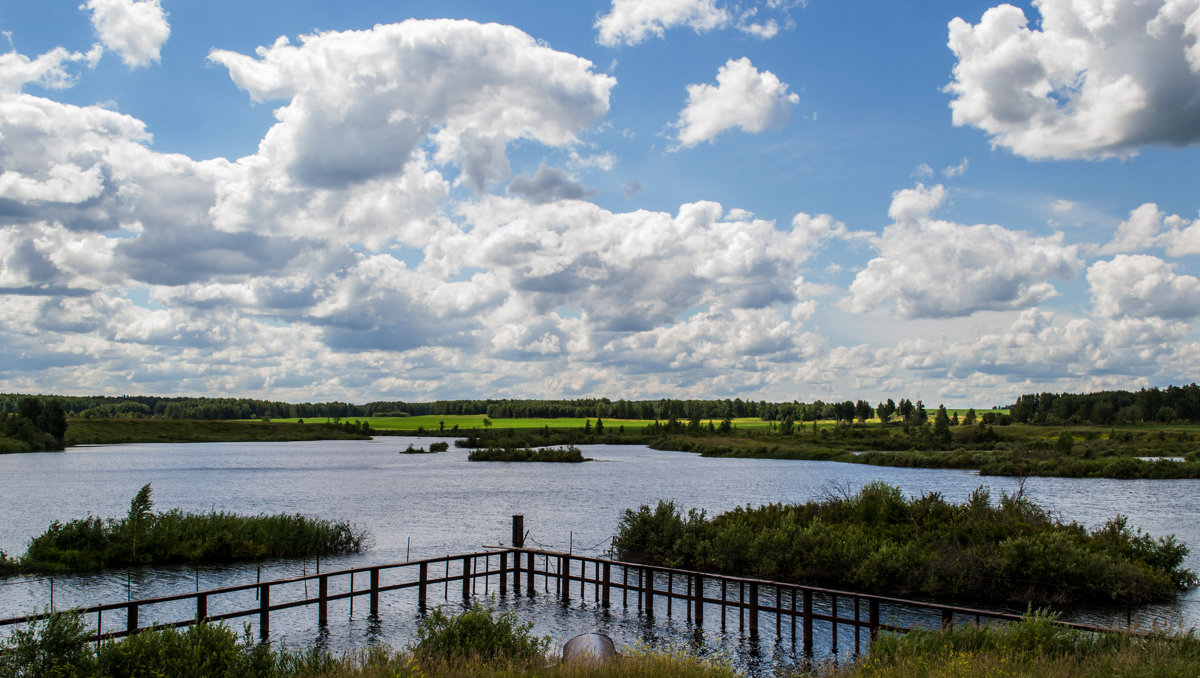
[
  {"x": 630, "y": 22},
  {"x": 135, "y": 29},
  {"x": 1141, "y": 285},
  {"x": 935, "y": 269},
  {"x": 743, "y": 97},
  {"x": 1094, "y": 79}
]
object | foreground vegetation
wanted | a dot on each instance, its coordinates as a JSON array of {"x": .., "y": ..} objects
[
  {"x": 473, "y": 643},
  {"x": 569, "y": 454},
  {"x": 116, "y": 431},
  {"x": 1031, "y": 648},
  {"x": 480, "y": 642},
  {"x": 146, "y": 538},
  {"x": 1011, "y": 553}
]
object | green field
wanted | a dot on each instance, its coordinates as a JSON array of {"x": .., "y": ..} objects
[{"x": 437, "y": 422}]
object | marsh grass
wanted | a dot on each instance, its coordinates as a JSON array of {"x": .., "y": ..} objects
[{"x": 568, "y": 454}]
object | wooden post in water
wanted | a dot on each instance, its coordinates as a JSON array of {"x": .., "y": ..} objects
[
  {"x": 504, "y": 574},
  {"x": 422, "y": 577},
  {"x": 264, "y": 612},
  {"x": 323, "y": 600},
  {"x": 723, "y": 599},
  {"x": 604, "y": 593},
  {"x": 833, "y": 613},
  {"x": 466, "y": 578},
  {"x": 374, "y": 591},
  {"x": 873, "y": 617},
  {"x": 753, "y": 609},
  {"x": 529, "y": 576},
  {"x": 648, "y": 587},
  {"x": 778, "y": 610},
  {"x": 131, "y": 619},
  {"x": 698, "y": 590},
  {"x": 202, "y": 607},
  {"x": 947, "y": 618},
  {"x": 564, "y": 579},
  {"x": 808, "y": 623}
]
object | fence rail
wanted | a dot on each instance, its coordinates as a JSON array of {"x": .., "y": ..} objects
[{"x": 651, "y": 589}]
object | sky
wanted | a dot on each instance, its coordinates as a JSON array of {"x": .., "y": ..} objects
[{"x": 958, "y": 202}]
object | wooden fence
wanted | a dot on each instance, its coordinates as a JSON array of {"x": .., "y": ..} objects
[{"x": 702, "y": 598}]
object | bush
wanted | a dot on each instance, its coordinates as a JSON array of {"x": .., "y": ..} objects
[{"x": 477, "y": 633}]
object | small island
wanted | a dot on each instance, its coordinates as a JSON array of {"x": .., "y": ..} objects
[
  {"x": 173, "y": 537},
  {"x": 568, "y": 454}
]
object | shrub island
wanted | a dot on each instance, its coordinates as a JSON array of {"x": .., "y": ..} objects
[
  {"x": 1012, "y": 553},
  {"x": 147, "y": 538},
  {"x": 568, "y": 454}
]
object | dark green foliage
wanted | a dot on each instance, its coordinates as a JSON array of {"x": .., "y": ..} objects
[
  {"x": 440, "y": 446},
  {"x": 569, "y": 454},
  {"x": 36, "y": 425},
  {"x": 58, "y": 646},
  {"x": 145, "y": 538},
  {"x": 878, "y": 541},
  {"x": 116, "y": 431},
  {"x": 477, "y": 633}
]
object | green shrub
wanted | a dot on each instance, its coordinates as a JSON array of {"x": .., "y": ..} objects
[{"x": 477, "y": 633}]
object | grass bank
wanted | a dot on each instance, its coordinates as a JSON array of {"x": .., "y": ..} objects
[
  {"x": 90, "y": 431},
  {"x": 1011, "y": 552},
  {"x": 146, "y": 538}
]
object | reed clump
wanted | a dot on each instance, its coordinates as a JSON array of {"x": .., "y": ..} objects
[{"x": 144, "y": 537}]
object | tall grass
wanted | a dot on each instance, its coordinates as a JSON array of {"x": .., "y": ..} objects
[
  {"x": 146, "y": 538},
  {"x": 877, "y": 541}
]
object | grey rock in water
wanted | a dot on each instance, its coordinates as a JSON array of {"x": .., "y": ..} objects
[{"x": 589, "y": 647}]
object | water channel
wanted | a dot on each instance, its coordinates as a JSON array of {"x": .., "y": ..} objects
[{"x": 418, "y": 506}]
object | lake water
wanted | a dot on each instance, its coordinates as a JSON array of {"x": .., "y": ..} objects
[{"x": 418, "y": 506}]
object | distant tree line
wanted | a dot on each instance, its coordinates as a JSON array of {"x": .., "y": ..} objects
[{"x": 1106, "y": 408}]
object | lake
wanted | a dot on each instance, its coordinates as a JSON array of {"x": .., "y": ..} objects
[{"x": 437, "y": 504}]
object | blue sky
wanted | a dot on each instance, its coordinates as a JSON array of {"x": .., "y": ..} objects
[{"x": 958, "y": 202}]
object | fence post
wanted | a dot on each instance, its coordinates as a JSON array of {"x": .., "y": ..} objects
[
  {"x": 422, "y": 577},
  {"x": 374, "y": 591},
  {"x": 833, "y": 612},
  {"x": 518, "y": 531},
  {"x": 753, "y": 609},
  {"x": 503, "y": 573},
  {"x": 564, "y": 578},
  {"x": 699, "y": 589},
  {"x": 778, "y": 610},
  {"x": 873, "y": 617},
  {"x": 201, "y": 607},
  {"x": 517, "y": 572},
  {"x": 131, "y": 618},
  {"x": 605, "y": 593},
  {"x": 947, "y": 618},
  {"x": 466, "y": 578},
  {"x": 648, "y": 588},
  {"x": 670, "y": 590},
  {"x": 529, "y": 576},
  {"x": 264, "y": 612},
  {"x": 808, "y": 623},
  {"x": 323, "y": 600}
]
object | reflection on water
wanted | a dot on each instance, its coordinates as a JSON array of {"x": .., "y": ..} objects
[{"x": 419, "y": 506}]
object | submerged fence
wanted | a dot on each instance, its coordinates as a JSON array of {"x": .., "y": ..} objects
[{"x": 701, "y": 598}]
